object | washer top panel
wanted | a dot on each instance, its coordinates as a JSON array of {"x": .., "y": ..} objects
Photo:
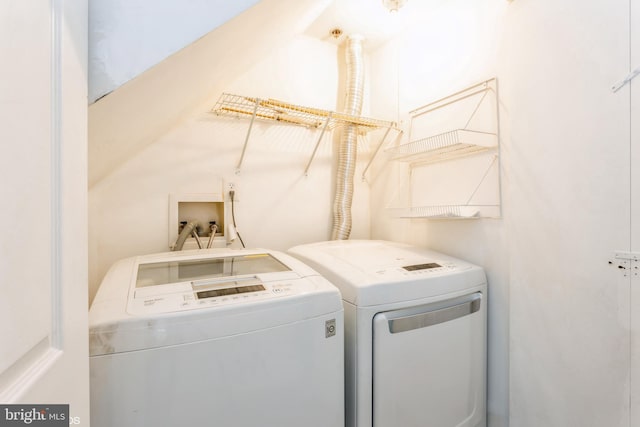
[
  {"x": 172, "y": 298},
  {"x": 171, "y": 285},
  {"x": 373, "y": 272},
  {"x": 154, "y": 273}
]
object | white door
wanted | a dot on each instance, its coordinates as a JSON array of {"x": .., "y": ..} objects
[
  {"x": 43, "y": 278},
  {"x": 634, "y": 266}
]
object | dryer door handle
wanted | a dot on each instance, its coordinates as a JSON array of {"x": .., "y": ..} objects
[{"x": 436, "y": 313}]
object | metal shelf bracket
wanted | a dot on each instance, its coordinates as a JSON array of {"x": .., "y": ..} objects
[
  {"x": 315, "y": 149},
  {"x": 246, "y": 139}
]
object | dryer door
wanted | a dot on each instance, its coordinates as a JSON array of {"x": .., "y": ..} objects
[{"x": 429, "y": 364}]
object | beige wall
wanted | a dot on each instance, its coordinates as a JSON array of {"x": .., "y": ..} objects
[
  {"x": 278, "y": 207},
  {"x": 558, "y": 312}
]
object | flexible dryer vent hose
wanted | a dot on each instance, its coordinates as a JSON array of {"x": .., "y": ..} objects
[{"x": 348, "y": 147}]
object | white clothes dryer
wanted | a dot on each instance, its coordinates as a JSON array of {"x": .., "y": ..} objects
[
  {"x": 216, "y": 337},
  {"x": 415, "y": 333}
]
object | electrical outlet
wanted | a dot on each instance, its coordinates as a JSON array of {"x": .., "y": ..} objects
[{"x": 231, "y": 187}]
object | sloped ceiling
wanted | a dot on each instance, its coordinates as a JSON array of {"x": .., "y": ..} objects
[
  {"x": 128, "y": 37},
  {"x": 128, "y": 119}
]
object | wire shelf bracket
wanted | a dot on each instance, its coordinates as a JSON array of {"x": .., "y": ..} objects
[{"x": 453, "y": 143}]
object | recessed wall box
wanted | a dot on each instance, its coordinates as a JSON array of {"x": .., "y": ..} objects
[{"x": 202, "y": 208}]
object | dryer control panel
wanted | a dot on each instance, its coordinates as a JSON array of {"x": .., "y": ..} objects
[{"x": 422, "y": 268}]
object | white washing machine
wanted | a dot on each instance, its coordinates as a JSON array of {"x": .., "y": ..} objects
[
  {"x": 415, "y": 333},
  {"x": 217, "y": 337}
]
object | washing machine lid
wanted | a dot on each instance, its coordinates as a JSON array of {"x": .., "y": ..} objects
[
  {"x": 373, "y": 272},
  {"x": 180, "y": 297}
]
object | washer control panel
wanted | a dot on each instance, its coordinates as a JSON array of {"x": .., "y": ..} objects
[{"x": 201, "y": 297}]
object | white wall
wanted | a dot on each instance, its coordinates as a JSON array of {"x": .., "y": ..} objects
[
  {"x": 565, "y": 195},
  {"x": 127, "y": 37},
  {"x": 277, "y": 207}
]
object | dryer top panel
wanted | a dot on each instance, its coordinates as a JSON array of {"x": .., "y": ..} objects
[{"x": 372, "y": 272}]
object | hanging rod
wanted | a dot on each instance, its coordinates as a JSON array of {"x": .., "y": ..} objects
[{"x": 454, "y": 97}]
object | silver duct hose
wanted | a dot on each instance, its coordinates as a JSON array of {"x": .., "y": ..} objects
[{"x": 348, "y": 149}]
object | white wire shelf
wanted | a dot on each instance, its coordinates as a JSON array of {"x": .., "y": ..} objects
[
  {"x": 445, "y": 146},
  {"x": 284, "y": 112},
  {"x": 461, "y": 125},
  {"x": 449, "y": 212},
  {"x": 272, "y": 110}
]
